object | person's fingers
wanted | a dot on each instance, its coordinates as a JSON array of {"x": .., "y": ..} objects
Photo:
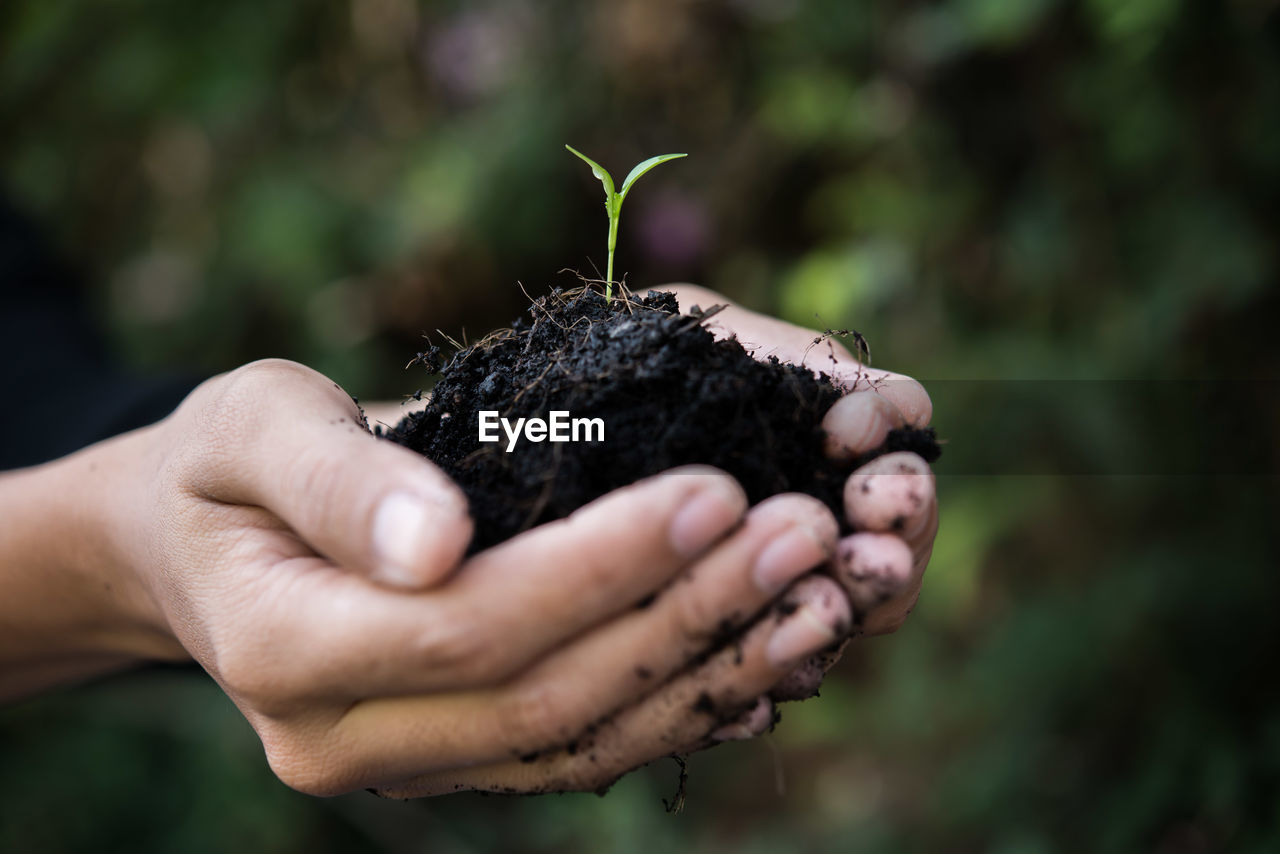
[
  {"x": 882, "y": 580},
  {"x": 783, "y": 537},
  {"x": 805, "y": 679},
  {"x": 882, "y": 575},
  {"x": 873, "y": 568},
  {"x": 894, "y": 492},
  {"x": 564, "y": 577},
  {"x": 905, "y": 393},
  {"x": 679, "y": 716},
  {"x": 890, "y": 615},
  {"x": 283, "y": 437},
  {"x": 881, "y": 571},
  {"x": 508, "y": 606},
  {"x": 592, "y": 677},
  {"x": 858, "y": 423}
]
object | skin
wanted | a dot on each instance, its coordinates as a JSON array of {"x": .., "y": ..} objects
[{"x": 317, "y": 575}]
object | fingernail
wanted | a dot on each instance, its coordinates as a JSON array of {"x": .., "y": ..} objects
[
  {"x": 732, "y": 732},
  {"x": 856, "y": 423},
  {"x": 749, "y": 724},
  {"x": 801, "y": 682},
  {"x": 790, "y": 554},
  {"x": 399, "y": 527},
  {"x": 802, "y": 634},
  {"x": 706, "y": 516}
]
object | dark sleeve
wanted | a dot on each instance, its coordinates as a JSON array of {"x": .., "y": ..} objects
[{"x": 61, "y": 388}]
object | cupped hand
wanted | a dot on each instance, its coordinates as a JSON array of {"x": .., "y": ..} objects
[
  {"x": 314, "y": 572},
  {"x": 891, "y": 502},
  {"x": 891, "y": 505}
]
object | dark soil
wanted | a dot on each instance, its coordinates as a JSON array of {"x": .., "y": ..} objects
[{"x": 669, "y": 394}]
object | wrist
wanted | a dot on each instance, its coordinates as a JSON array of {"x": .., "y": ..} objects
[
  {"x": 71, "y": 601},
  {"x": 116, "y": 515}
]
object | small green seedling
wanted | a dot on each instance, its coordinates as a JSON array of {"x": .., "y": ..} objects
[{"x": 613, "y": 201}]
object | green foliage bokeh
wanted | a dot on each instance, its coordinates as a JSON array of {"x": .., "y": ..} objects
[{"x": 1080, "y": 197}]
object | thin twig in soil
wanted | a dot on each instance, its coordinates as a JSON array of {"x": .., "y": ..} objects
[
  {"x": 451, "y": 340},
  {"x": 677, "y": 800},
  {"x": 538, "y": 305},
  {"x": 622, "y": 293},
  {"x": 492, "y": 338},
  {"x": 704, "y": 314},
  {"x": 586, "y": 283},
  {"x": 699, "y": 319}
]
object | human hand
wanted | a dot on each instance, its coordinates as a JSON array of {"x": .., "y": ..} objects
[
  {"x": 891, "y": 504},
  {"x": 313, "y": 572}
]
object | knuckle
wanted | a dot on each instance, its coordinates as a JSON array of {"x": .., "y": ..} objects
[
  {"x": 244, "y": 394},
  {"x": 224, "y": 414},
  {"x": 252, "y": 679},
  {"x": 322, "y": 479},
  {"x": 594, "y": 565},
  {"x": 241, "y": 392},
  {"x": 298, "y": 766},
  {"x": 464, "y": 650},
  {"x": 254, "y": 377},
  {"x": 253, "y": 659},
  {"x": 598, "y": 572},
  {"x": 695, "y": 617}
]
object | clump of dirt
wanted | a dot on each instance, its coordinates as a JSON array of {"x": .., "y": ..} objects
[{"x": 668, "y": 392}]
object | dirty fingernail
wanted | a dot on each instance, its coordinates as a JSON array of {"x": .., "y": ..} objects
[
  {"x": 749, "y": 724},
  {"x": 706, "y": 516},
  {"x": 398, "y": 530},
  {"x": 802, "y": 634},
  {"x": 801, "y": 682},
  {"x": 791, "y": 553}
]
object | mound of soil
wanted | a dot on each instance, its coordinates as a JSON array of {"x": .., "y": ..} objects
[{"x": 669, "y": 395}]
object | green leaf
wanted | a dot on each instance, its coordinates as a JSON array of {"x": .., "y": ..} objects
[
  {"x": 640, "y": 169},
  {"x": 601, "y": 173}
]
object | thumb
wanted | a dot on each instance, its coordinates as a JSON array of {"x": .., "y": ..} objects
[{"x": 366, "y": 504}]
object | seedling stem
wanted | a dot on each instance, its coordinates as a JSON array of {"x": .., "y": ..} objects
[{"x": 613, "y": 201}]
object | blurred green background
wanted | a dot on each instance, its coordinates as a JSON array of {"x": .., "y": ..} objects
[{"x": 990, "y": 191}]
